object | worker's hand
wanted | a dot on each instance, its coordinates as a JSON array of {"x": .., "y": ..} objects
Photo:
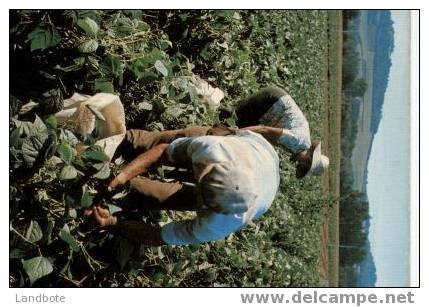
[
  {"x": 119, "y": 180},
  {"x": 100, "y": 216}
]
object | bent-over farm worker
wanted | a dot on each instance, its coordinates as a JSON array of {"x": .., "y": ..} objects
[
  {"x": 270, "y": 112},
  {"x": 237, "y": 177},
  {"x": 275, "y": 114}
]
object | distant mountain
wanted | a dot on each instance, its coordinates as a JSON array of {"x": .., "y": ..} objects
[
  {"x": 383, "y": 44},
  {"x": 367, "y": 271},
  {"x": 356, "y": 102},
  {"x": 357, "y": 267},
  {"x": 365, "y": 181}
]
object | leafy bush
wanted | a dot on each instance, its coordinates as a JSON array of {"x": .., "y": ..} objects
[{"x": 146, "y": 57}]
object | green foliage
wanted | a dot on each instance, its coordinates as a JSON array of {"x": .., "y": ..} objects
[
  {"x": 43, "y": 37},
  {"x": 358, "y": 87},
  {"x": 97, "y": 156},
  {"x": 88, "y": 46},
  {"x": 354, "y": 213},
  {"x": 89, "y": 26},
  {"x": 69, "y": 239},
  {"x": 86, "y": 198},
  {"x": 46, "y": 193},
  {"x": 68, "y": 172},
  {"x": 37, "y": 267},
  {"x": 148, "y": 57},
  {"x": 32, "y": 145},
  {"x": 34, "y": 232},
  {"x": 65, "y": 152}
]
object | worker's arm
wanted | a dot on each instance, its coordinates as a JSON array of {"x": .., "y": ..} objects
[
  {"x": 140, "y": 232},
  {"x": 271, "y": 134},
  {"x": 134, "y": 230},
  {"x": 208, "y": 226},
  {"x": 176, "y": 153},
  {"x": 283, "y": 137},
  {"x": 140, "y": 165}
]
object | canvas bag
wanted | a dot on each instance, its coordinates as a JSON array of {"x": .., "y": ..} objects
[{"x": 83, "y": 112}]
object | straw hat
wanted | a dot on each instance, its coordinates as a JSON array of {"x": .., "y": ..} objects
[{"x": 319, "y": 162}]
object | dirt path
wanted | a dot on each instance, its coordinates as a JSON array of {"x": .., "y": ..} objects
[
  {"x": 329, "y": 264},
  {"x": 325, "y": 179}
]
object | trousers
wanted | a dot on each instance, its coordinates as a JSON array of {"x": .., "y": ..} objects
[{"x": 157, "y": 194}]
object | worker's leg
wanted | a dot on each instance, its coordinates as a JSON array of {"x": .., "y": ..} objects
[
  {"x": 251, "y": 109},
  {"x": 137, "y": 141},
  {"x": 144, "y": 140},
  {"x": 221, "y": 130},
  {"x": 157, "y": 195}
]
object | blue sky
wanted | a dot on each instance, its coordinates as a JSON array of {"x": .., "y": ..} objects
[{"x": 388, "y": 169}]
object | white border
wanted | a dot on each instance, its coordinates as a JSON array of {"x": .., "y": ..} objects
[
  {"x": 205, "y": 297},
  {"x": 219, "y": 4},
  {"x": 414, "y": 146}
]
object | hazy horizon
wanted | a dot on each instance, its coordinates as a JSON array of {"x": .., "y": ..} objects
[{"x": 388, "y": 168}]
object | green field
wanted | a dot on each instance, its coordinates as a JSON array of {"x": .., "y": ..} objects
[{"x": 116, "y": 51}]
